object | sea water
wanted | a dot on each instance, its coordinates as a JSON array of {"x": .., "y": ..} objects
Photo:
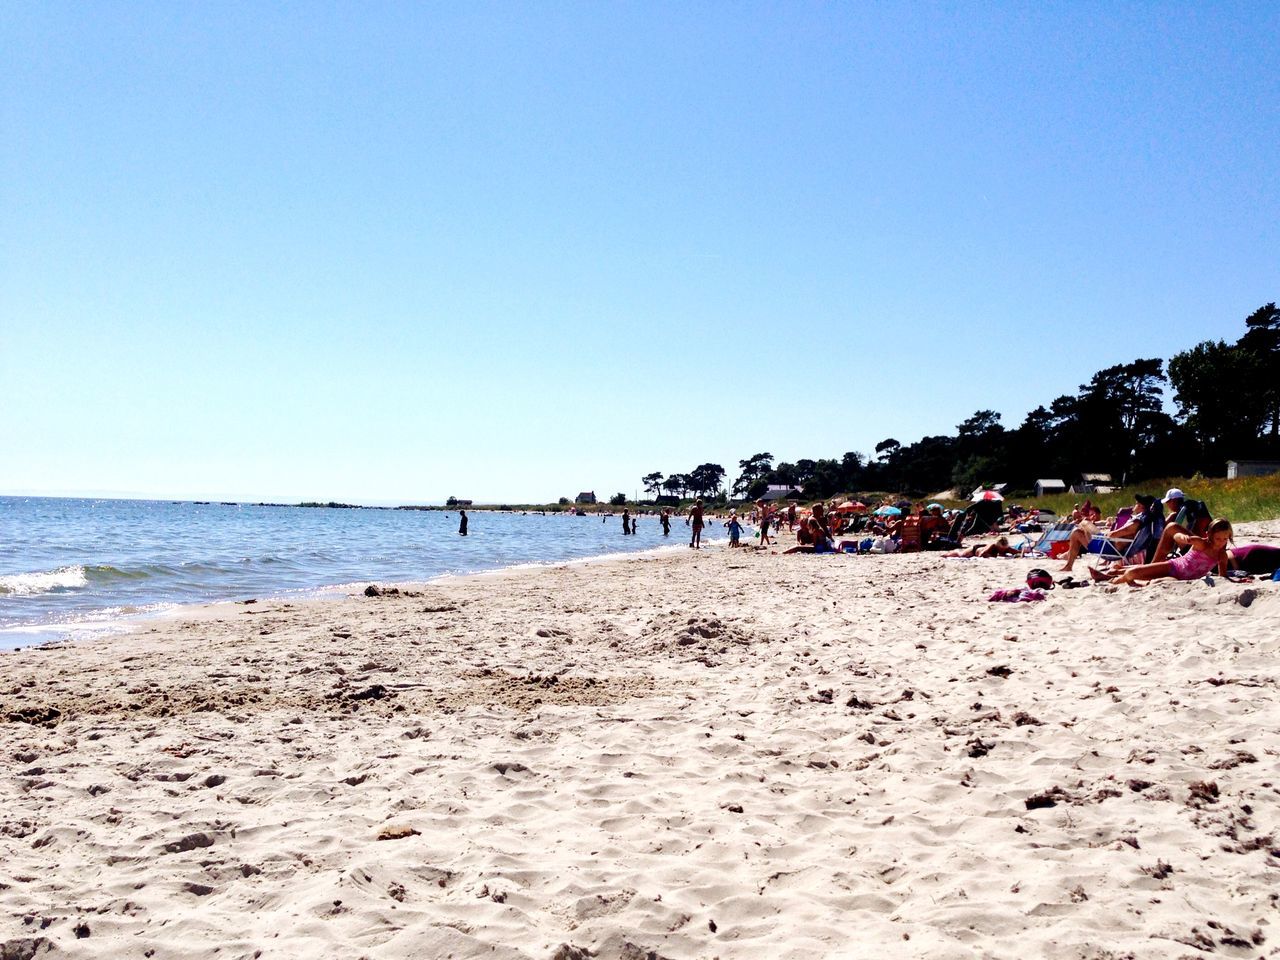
[{"x": 72, "y": 566}]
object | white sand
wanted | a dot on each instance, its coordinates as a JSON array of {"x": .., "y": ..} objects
[{"x": 828, "y": 761}]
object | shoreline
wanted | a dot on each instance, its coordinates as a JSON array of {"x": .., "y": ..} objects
[
  {"x": 721, "y": 752},
  {"x": 91, "y": 626}
]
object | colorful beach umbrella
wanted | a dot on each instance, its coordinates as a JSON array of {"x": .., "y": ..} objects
[
  {"x": 888, "y": 512},
  {"x": 987, "y": 495}
]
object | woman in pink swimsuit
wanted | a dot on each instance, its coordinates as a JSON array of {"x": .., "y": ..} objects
[{"x": 1206, "y": 553}]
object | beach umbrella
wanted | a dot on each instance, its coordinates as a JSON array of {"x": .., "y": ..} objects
[
  {"x": 987, "y": 495},
  {"x": 933, "y": 505},
  {"x": 850, "y": 506},
  {"x": 888, "y": 512}
]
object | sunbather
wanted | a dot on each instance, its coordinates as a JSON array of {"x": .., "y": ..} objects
[
  {"x": 1000, "y": 548},
  {"x": 1258, "y": 559},
  {"x": 1206, "y": 554},
  {"x": 815, "y": 539},
  {"x": 1085, "y": 538}
]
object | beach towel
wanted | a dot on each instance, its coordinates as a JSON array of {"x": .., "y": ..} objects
[{"x": 1016, "y": 595}]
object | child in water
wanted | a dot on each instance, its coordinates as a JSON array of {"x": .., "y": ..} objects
[{"x": 735, "y": 530}]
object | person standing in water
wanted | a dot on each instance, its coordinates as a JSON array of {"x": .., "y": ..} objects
[
  {"x": 695, "y": 521},
  {"x": 462, "y": 524},
  {"x": 626, "y": 521},
  {"x": 666, "y": 522}
]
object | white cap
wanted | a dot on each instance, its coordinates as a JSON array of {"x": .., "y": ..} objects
[{"x": 1174, "y": 494}]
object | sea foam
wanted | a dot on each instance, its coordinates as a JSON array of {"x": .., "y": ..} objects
[{"x": 47, "y": 581}]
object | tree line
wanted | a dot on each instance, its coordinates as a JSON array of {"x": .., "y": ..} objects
[{"x": 1227, "y": 405}]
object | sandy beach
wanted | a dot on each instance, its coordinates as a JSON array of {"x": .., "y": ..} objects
[{"x": 714, "y": 754}]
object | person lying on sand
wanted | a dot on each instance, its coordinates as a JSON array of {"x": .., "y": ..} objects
[
  {"x": 1257, "y": 559},
  {"x": 1000, "y": 548},
  {"x": 1206, "y": 554}
]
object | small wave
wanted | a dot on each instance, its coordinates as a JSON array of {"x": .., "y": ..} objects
[{"x": 47, "y": 581}]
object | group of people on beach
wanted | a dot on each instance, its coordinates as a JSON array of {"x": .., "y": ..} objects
[
  {"x": 1173, "y": 536},
  {"x": 1141, "y": 543}
]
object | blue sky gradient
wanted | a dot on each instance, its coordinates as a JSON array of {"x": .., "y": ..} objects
[{"x": 393, "y": 252}]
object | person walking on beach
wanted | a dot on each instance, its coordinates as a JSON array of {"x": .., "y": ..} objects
[
  {"x": 695, "y": 521},
  {"x": 764, "y": 522},
  {"x": 462, "y": 524},
  {"x": 666, "y": 522}
]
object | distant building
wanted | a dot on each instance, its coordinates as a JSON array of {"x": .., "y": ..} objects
[
  {"x": 587, "y": 497},
  {"x": 464, "y": 503},
  {"x": 1251, "y": 468},
  {"x": 1094, "y": 483},
  {"x": 778, "y": 491},
  {"x": 1050, "y": 486}
]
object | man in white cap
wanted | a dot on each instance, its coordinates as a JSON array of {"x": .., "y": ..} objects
[{"x": 1173, "y": 502}]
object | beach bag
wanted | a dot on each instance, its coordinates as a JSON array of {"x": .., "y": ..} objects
[{"x": 1039, "y": 579}]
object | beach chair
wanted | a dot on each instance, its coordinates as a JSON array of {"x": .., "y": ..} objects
[
  {"x": 1136, "y": 549},
  {"x": 909, "y": 538},
  {"x": 1054, "y": 542},
  {"x": 1195, "y": 516}
]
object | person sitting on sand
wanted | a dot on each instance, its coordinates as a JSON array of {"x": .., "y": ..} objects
[
  {"x": 1256, "y": 559},
  {"x": 1206, "y": 554},
  {"x": 932, "y": 525},
  {"x": 1083, "y": 539},
  {"x": 1086, "y": 513},
  {"x": 1000, "y": 548},
  {"x": 815, "y": 539},
  {"x": 819, "y": 514}
]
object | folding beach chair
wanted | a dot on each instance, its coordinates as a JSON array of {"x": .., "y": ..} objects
[
  {"x": 1136, "y": 549},
  {"x": 909, "y": 538},
  {"x": 1054, "y": 541}
]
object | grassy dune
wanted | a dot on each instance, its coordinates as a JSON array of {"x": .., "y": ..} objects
[{"x": 1249, "y": 498}]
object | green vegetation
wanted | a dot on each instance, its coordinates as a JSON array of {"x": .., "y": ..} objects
[
  {"x": 704, "y": 480},
  {"x": 1248, "y": 498}
]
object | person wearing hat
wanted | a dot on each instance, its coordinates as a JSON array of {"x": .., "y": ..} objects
[
  {"x": 1177, "y": 507},
  {"x": 1082, "y": 539}
]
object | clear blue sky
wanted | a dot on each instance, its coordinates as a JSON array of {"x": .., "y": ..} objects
[{"x": 393, "y": 252}]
